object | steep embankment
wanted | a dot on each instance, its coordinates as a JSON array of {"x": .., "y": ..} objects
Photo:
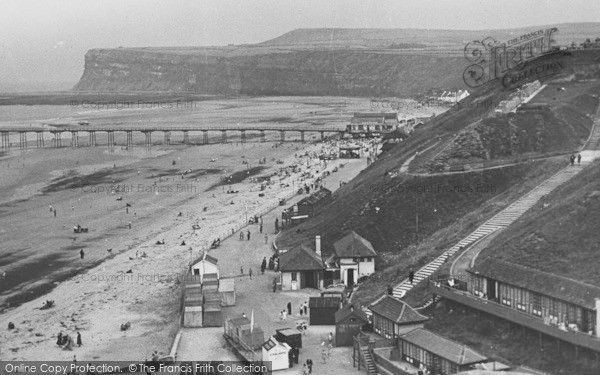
[
  {"x": 384, "y": 209},
  {"x": 341, "y": 72}
]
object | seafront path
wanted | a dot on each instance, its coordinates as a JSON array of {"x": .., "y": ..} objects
[{"x": 198, "y": 344}]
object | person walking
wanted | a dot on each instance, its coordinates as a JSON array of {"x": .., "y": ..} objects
[
  {"x": 578, "y": 158},
  {"x": 309, "y": 363},
  {"x": 411, "y": 275},
  {"x": 274, "y": 285},
  {"x": 289, "y": 308},
  {"x": 324, "y": 355},
  {"x": 250, "y": 272},
  {"x": 390, "y": 290},
  {"x": 248, "y": 234},
  {"x": 305, "y": 307},
  {"x": 263, "y": 265},
  {"x": 79, "y": 343},
  {"x": 276, "y": 225},
  {"x": 266, "y": 238},
  {"x": 572, "y": 158},
  {"x": 241, "y": 235},
  {"x": 241, "y": 270},
  {"x": 81, "y": 253},
  {"x": 59, "y": 339},
  {"x": 260, "y": 228}
]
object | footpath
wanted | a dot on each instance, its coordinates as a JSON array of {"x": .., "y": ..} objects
[{"x": 254, "y": 294}]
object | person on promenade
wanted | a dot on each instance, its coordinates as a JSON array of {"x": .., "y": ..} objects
[
  {"x": 248, "y": 234},
  {"x": 81, "y": 253},
  {"x": 241, "y": 270},
  {"x": 289, "y": 308},
  {"x": 263, "y": 265},
  {"x": 578, "y": 158},
  {"x": 241, "y": 235},
  {"x": 305, "y": 307},
  {"x": 266, "y": 239}
]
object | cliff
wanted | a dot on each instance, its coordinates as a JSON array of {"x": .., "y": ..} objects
[{"x": 305, "y": 72}]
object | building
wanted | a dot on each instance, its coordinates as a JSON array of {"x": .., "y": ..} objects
[
  {"x": 302, "y": 267},
  {"x": 192, "y": 306},
  {"x": 372, "y": 122},
  {"x": 275, "y": 354},
  {"x": 241, "y": 332},
  {"x": 556, "y": 306},
  {"x": 205, "y": 264},
  {"x": 290, "y": 336},
  {"x": 558, "y": 301},
  {"x": 323, "y": 309},
  {"x": 227, "y": 291},
  {"x": 355, "y": 257},
  {"x": 349, "y": 321},
  {"x": 436, "y": 354},
  {"x": 393, "y": 317}
]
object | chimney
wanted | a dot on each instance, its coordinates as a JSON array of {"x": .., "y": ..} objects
[
  {"x": 318, "y": 245},
  {"x": 597, "y": 317}
]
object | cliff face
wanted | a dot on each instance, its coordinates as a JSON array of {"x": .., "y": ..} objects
[{"x": 339, "y": 72}]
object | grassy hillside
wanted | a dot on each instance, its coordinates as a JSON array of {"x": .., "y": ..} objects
[{"x": 562, "y": 238}]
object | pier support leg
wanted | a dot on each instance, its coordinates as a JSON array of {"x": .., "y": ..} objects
[
  {"x": 92, "y": 139},
  {"x": 57, "y": 139},
  {"x": 262, "y": 136},
  {"x": 148, "y": 141},
  {"x": 39, "y": 142},
  {"x": 5, "y": 140},
  {"x": 322, "y": 136},
  {"x": 223, "y": 136},
  {"x": 129, "y": 139},
  {"x": 167, "y": 137},
  {"x": 205, "y": 137},
  {"x": 243, "y": 136},
  {"x": 22, "y": 139},
  {"x": 186, "y": 137},
  {"x": 111, "y": 139},
  {"x": 282, "y": 135},
  {"x": 74, "y": 139},
  {"x": 302, "y": 136}
]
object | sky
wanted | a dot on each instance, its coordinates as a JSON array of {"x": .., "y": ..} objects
[{"x": 43, "y": 42}]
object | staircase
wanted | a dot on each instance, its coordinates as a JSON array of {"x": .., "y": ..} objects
[
  {"x": 369, "y": 362},
  {"x": 498, "y": 222}
]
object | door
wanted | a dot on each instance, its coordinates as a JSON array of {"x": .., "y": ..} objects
[
  {"x": 491, "y": 289},
  {"x": 350, "y": 277},
  {"x": 309, "y": 279}
]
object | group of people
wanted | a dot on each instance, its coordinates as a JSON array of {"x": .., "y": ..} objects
[
  {"x": 66, "y": 341},
  {"x": 572, "y": 158}
]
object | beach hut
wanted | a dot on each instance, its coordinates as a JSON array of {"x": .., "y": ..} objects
[
  {"x": 212, "y": 314},
  {"x": 323, "y": 309},
  {"x": 227, "y": 291},
  {"x": 276, "y": 354},
  {"x": 203, "y": 265},
  {"x": 192, "y": 316},
  {"x": 210, "y": 282},
  {"x": 290, "y": 336},
  {"x": 191, "y": 279},
  {"x": 349, "y": 321}
]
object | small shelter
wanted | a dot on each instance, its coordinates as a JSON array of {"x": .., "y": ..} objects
[
  {"x": 290, "y": 336},
  {"x": 212, "y": 314},
  {"x": 302, "y": 267},
  {"x": 203, "y": 265},
  {"x": 227, "y": 291},
  {"x": 437, "y": 354},
  {"x": 323, "y": 309},
  {"x": 355, "y": 256},
  {"x": 392, "y": 317},
  {"x": 349, "y": 321},
  {"x": 349, "y": 152},
  {"x": 276, "y": 354}
]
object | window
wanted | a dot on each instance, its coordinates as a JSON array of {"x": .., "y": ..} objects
[
  {"x": 505, "y": 301},
  {"x": 536, "y": 304},
  {"x": 294, "y": 276},
  {"x": 521, "y": 306},
  {"x": 369, "y": 259}
]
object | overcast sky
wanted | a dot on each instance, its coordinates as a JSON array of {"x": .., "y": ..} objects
[{"x": 43, "y": 42}]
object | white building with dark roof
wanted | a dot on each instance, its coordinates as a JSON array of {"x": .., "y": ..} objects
[{"x": 355, "y": 257}]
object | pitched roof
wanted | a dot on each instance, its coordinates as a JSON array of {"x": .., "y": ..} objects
[
  {"x": 397, "y": 311},
  {"x": 353, "y": 245},
  {"x": 206, "y": 257},
  {"x": 442, "y": 347},
  {"x": 300, "y": 258},
  {"x": 350, "y": 310},
  {"x": 545, "y": 283}
]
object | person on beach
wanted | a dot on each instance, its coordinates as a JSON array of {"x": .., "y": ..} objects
[
  {"x": 130, "y": 225},
  {"x": 248, "y": 234},
  {"x": 79, "y": 343},
  {"x": 81, "y": 253},
  {"x": 241, "y": 270},
  {"x": 59, "y": 339},
  {"x": 241, "y": 235},
  {"x": 263, "y": 265}
]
